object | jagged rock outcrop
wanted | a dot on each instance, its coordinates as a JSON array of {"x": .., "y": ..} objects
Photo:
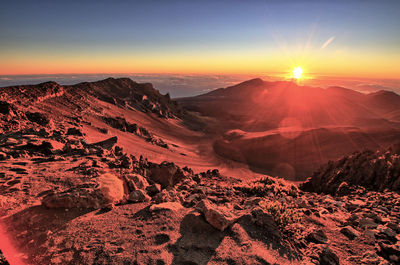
[
  {"x": 126, "y": 93},
  {"x": 372, "y": 170},
  {"x": 33, "y": 93},
  {"x": 122, "y": 124}
]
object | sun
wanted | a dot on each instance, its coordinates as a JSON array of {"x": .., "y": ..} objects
[{"x": 297, "y": 72}]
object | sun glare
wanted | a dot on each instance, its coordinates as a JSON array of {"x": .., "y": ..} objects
[{"x": 297, "y": 72}]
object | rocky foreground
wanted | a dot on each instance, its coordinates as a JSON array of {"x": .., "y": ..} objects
[{"x": 81, "y": 203}]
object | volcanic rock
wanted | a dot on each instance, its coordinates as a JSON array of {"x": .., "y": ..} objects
[
  {"x": 153, "y": 189},
  {"x": 139, "y": 181},
  {"x": 265, "y": 220},
  {"x": 74, "y": 131},
  {"x": 5, "y": 107},
  {"x": 166, "y": 206},
  {"x": 328, "y": 257},
  {"x": 167, "y": 174},
  {"x": 317, "y": 236},
  {"x": 3, "y": 156},
  {"x": 219, "y": 217},
  {"x": 73, "y": 199},
  {"x": 110, "y": 191},
  {"x": 107, "y": 144},
  {"x": 367, "y": 222},
  {"x": 349, "y": 231},
  {"x": 38, "y": 118},
  {"x": 372, "y": 170},
  {"x": 45, "y": 148},
  {"x": 139, "y": 196}
]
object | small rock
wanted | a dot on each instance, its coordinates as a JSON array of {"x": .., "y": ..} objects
[
  {"x": 74, "y": 131},
  {"x": 166, "y": 206},
  {"x": 355, "y": 204},
  {"x": 317, "y": 236},
  {"x": 386, "y": 230},
  {"x": 367, "y": 222},
  {"x": 153, "y": 189},
  {"x": 3, "y": 156},
  {"x": 126, "y": 161},
  {"x": 343, "y": 189},
  {"x": 139, "y": 196},
  {"x": 370, "y": 233},
  {"x": 107, "y": 144},
  {"x": 349, "y": 231},
  {"x": 140, "y": 181},
  {"x": 328, "y": 257}
]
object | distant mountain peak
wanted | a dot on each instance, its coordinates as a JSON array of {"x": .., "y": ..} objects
[{"x": 252, "y": 82}]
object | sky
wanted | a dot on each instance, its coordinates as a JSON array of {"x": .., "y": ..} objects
[{"x": 333, "y": 38}]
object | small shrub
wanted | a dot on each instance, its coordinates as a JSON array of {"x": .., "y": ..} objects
[{"x": 282, "y": 214}]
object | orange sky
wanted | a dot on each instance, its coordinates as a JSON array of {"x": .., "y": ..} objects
[
  {"x": 201, "y": 37},
  {"x": 337, "y": 63}
]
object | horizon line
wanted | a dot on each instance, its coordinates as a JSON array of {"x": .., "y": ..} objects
[{"x": 265, "y": 74}]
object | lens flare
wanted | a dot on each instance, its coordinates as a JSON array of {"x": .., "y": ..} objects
[{"x": 297, "y": 72}]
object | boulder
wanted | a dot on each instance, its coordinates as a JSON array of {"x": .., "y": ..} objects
[
  {"x": 389, "y": 250},
  {"x": 386, "y": 231},
  {"x": 167, "y": 196},
  {"x": 111, "y": 188},
  {"x": 80, "y": 198},
  {"x": 355, "y": 204},
  {"x": 45, "y": 148},
  {"x": 265, "y": 220},
  {"x": 371, "y": 257},
  {"x": 167, "y": 174},
  {"x": 219, "y": 217},
  {"x": 118, "y": 150},
  {"x": 38, "y": 118}
]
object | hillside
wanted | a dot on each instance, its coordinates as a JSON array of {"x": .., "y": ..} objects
[{"x": 297, "y": 128}]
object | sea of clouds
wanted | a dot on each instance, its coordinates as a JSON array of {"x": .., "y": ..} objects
[{"x": 179, "y": 85}]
